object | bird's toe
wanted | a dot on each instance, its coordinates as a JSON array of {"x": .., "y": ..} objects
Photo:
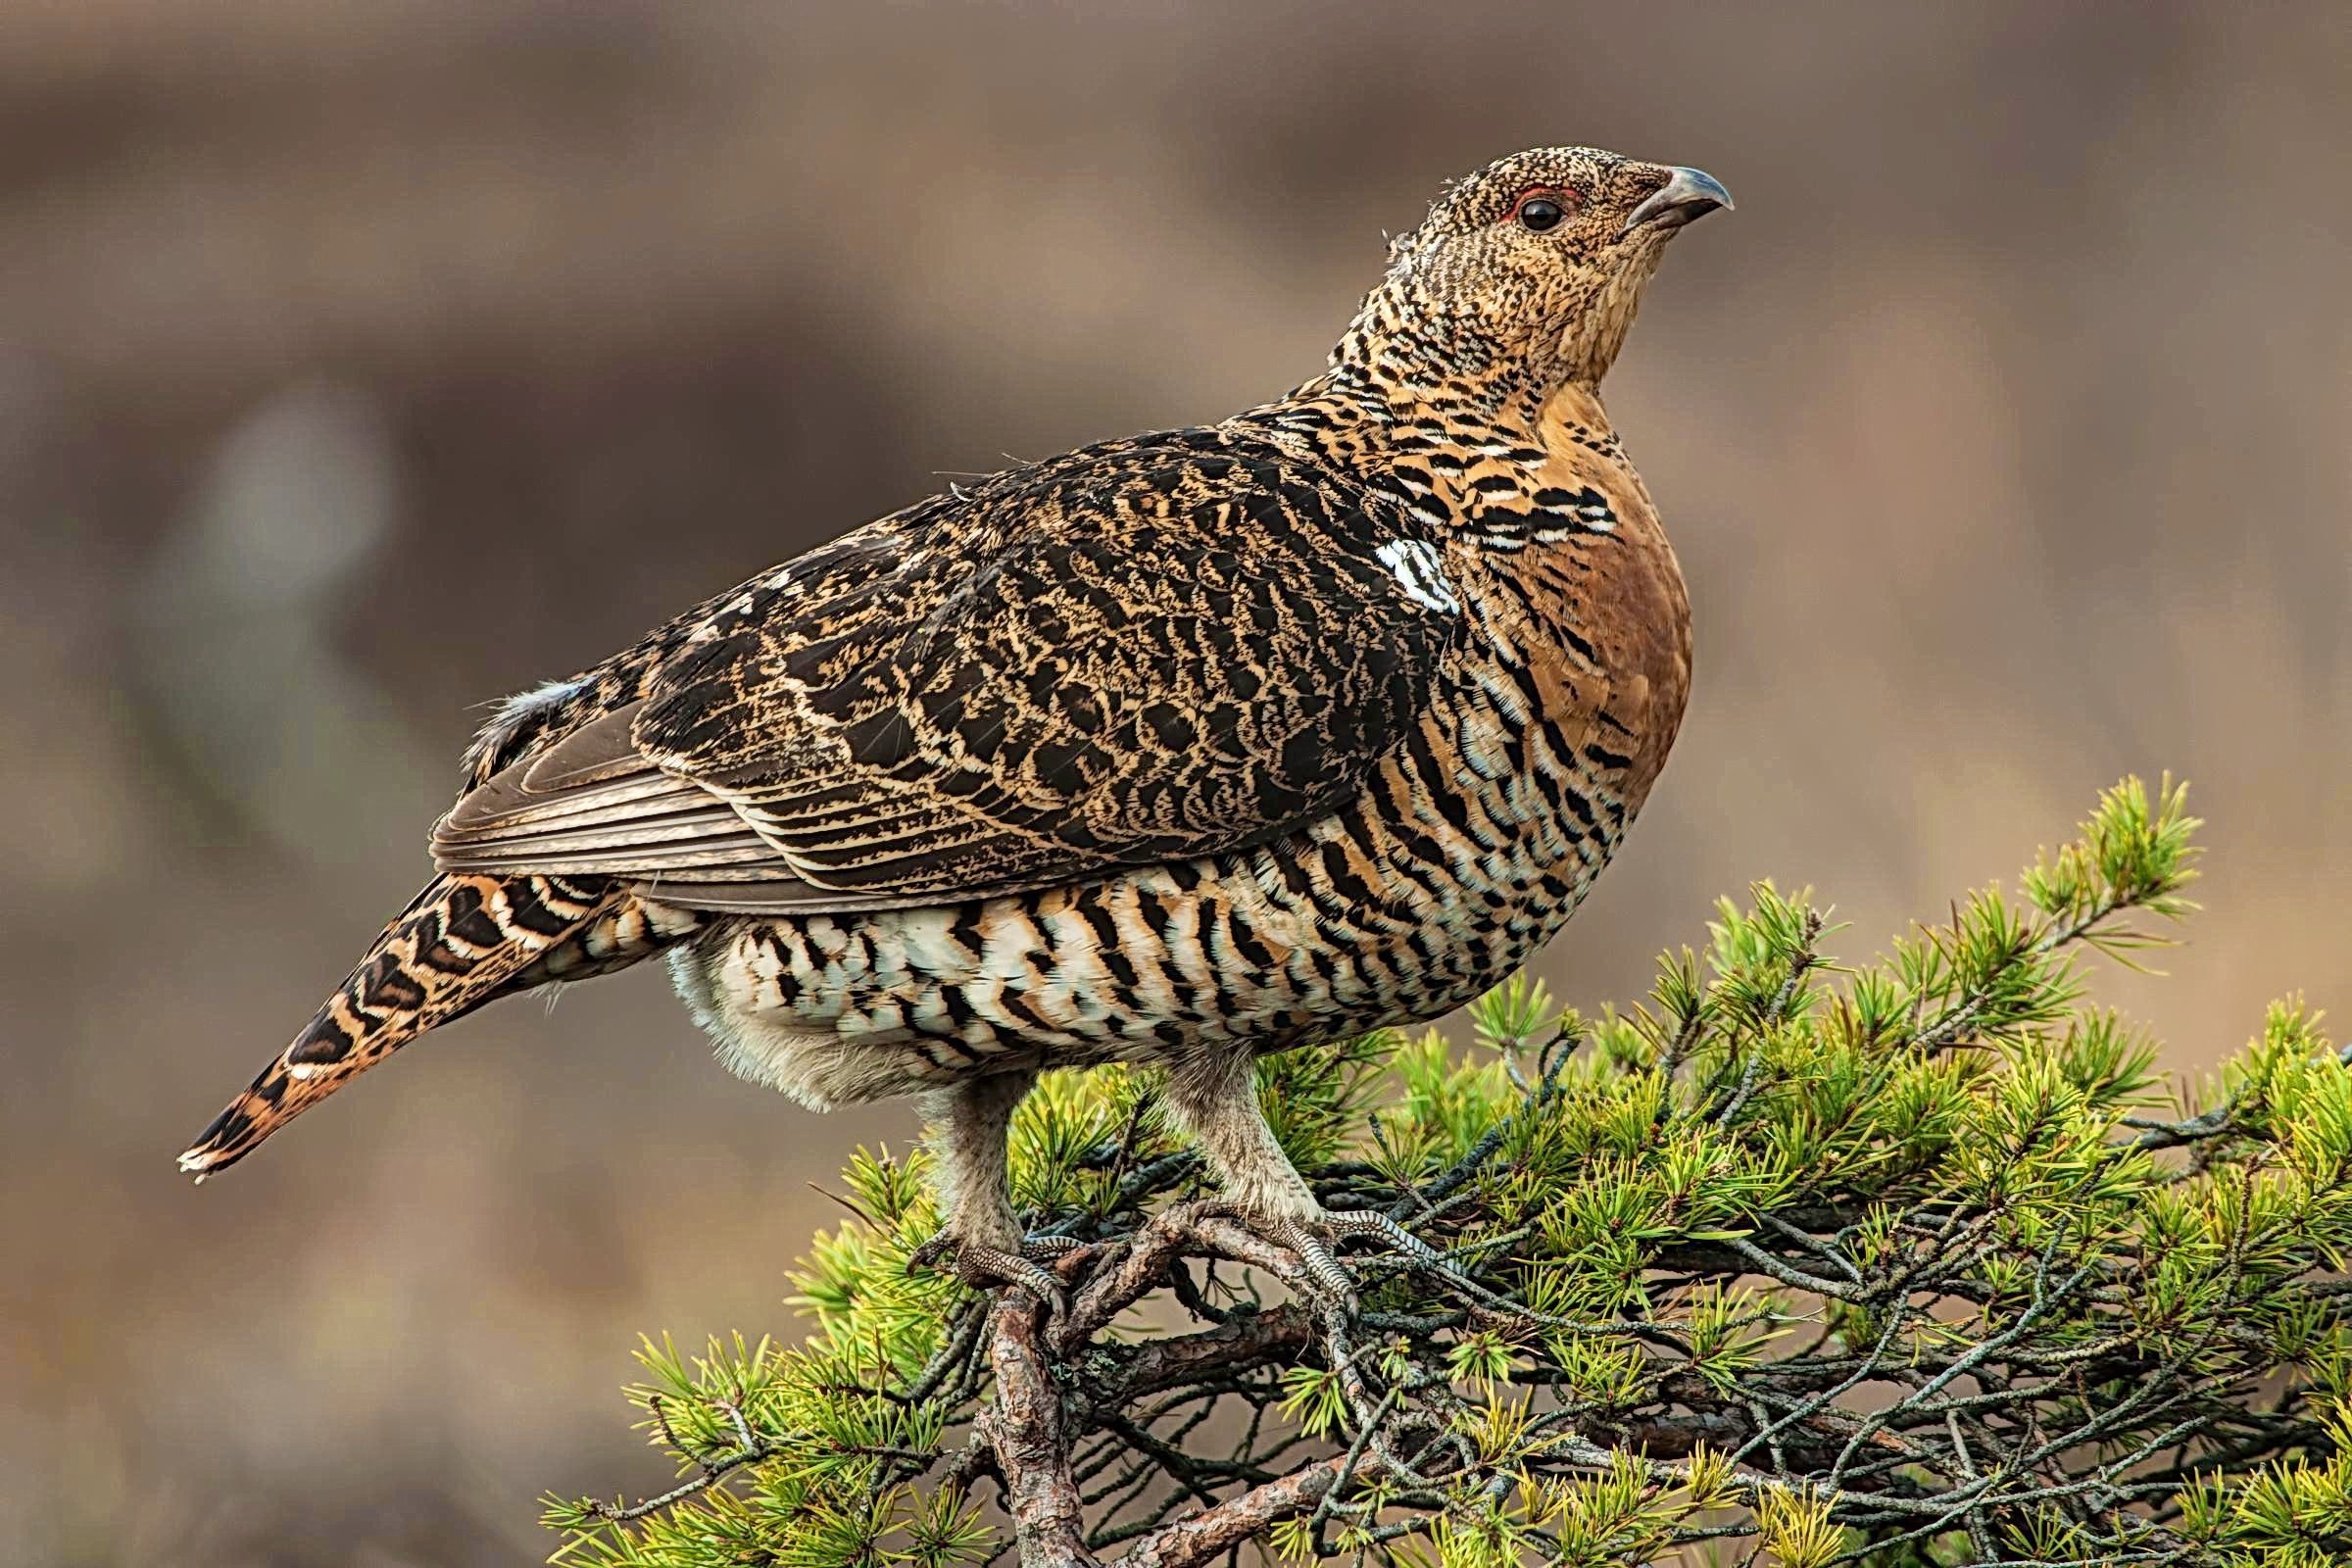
[
  {"x": 988, "y": 1268},
  {"x": 1315, "y": 1240},
  {"x": 1324, "y": 1271},
  {"x": 985, "y": 1267},
  {"x": 1373, "y": 1225}
]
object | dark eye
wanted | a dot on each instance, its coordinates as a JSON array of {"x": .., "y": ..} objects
[{"x": 1539, "y": 210}]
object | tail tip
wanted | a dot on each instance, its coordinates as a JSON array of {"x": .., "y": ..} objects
[{"x": 220, "y": 1145}]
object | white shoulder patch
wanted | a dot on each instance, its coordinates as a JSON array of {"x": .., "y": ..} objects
[
  {"x": 547, "y": 694},
  {"x": 514, "y": 712},
  {"x": 1415, "y": 565}
]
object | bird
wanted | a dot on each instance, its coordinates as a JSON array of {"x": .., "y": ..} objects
[{"x": 1174, "y": 750}]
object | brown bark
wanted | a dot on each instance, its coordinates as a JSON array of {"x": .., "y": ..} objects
[
  {"x": 1184, "y": 1543},
  {"x": 1139, "y": 1266},
  {"x": 1032, "y": 1427},
  {"x": 1278, "y": 1334},
  {"x": 1033, "y": 1456}
]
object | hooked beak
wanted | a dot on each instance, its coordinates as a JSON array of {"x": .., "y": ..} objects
[{"x": 1687, "y": 193}]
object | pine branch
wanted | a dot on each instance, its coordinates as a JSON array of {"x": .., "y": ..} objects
[{"x": 1883, "y": 1265}]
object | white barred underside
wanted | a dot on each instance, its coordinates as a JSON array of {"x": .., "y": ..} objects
[{"x": 1341, "y": 927}]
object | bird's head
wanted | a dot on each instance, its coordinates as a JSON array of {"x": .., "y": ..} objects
[{"x": 1529, "y": 271}]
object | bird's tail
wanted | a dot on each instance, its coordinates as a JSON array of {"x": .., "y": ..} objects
[{"x": 462, "y": 941}]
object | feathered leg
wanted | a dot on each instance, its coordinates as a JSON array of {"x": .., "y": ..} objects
[
  {"x": 970, "y": 1125},
  {"x": 1213, "y": 1098}
]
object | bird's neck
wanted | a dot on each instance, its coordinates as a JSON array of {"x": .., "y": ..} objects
[
  {"x": 1396, "y": 383},
  {"x": 1376, "y": 418},
  {"x": 1403, "y": 352}
]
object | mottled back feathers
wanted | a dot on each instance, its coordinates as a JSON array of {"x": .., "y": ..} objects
[{"x": 1143, "y": 650}]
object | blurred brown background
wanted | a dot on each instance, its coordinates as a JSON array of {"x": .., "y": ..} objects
[{"x": 362, "y": 360}]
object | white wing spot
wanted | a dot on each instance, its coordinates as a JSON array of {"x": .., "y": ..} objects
[
  {"x": 547, "y": 694},
  {"x": 1414, "y": 563},
  {"x": 516, "y": 710}
]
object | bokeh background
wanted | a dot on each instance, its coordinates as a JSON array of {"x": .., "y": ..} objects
[{"x": 360, "y": 360}]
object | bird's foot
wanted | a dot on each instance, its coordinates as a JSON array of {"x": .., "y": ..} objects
[
  {"x": 985, "y": 1267},
  {"x": 1315, "y": 1240}
]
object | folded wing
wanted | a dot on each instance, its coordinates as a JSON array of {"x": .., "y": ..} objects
[{"x": 1138, "y": 652}]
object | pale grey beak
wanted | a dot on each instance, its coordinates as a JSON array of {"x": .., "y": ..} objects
[{"x": 1690, "y": 193}]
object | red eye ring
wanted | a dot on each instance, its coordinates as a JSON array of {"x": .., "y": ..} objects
[{"x": 1541, "y": 206}]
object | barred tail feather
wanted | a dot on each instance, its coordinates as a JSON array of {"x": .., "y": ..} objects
[{"x": 460, "y": 942}]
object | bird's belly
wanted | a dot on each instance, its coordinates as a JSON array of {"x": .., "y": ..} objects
[{"x": 1430, "y": 888}]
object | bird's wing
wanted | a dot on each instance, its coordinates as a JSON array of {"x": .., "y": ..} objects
[{"x": 1138, "y": 652}]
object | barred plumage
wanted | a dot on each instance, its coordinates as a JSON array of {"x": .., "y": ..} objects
[{"x": 1181, "y": 748}]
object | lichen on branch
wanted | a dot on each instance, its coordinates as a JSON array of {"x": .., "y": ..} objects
[{"x": 1911, "y": 1262}]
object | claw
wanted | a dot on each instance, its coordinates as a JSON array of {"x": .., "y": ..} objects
[
  {"x": 982, "y": 1267},
  {"x": 1372, "y": 1223},
  {"x": 1319, "y": 1255},
  {"x": 1321, "y": 1263}
]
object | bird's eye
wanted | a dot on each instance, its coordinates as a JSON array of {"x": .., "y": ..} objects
[{"x": 1542, "y": 210}]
